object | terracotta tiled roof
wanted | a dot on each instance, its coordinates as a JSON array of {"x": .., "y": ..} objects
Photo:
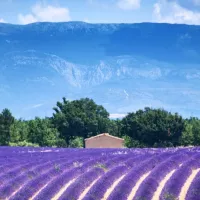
[{"x": 105, "y": 134}]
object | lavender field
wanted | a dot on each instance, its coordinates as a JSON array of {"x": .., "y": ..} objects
[{"x": 99, "y": 174}]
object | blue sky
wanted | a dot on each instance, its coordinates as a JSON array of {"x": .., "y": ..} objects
[{"x": 100, "y": 11}]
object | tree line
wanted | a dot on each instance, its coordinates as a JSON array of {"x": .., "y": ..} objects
[{"x": 73, "y": 121}]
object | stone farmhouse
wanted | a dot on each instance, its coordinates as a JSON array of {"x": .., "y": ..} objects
[{"x": 104, "y": 140}]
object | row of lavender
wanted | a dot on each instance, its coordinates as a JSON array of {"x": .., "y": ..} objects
[{"x": 42, "y": 173}]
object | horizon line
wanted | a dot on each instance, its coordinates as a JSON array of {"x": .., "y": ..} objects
[{"x": 97, "y": 23}]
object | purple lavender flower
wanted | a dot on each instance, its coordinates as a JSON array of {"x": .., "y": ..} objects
[{"x": 194, "y": 190}]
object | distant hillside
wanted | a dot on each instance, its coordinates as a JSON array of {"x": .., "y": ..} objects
[{"x": 122, "y": 66}]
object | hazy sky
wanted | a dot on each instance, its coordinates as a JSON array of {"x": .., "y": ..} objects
[{"x": 100, "y": 11}]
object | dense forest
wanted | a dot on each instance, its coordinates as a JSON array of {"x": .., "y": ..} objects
[{"x": 73, "y": 121}]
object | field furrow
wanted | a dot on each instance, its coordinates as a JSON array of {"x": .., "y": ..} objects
[{"x": 100, "y": 174}]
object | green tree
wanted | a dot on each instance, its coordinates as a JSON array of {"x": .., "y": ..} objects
[
  {"x": 114, "y": 127},
  {"x": 191, "y": 133},
  {"x": 196, "y": 130},
  {"x": 187, "y": 137},
  {"x": 6, "y": 120},
  {"x": 77, "y": 142},
  {"x": 19, "y": 131},
  {"x": 41, "y": 132},
  {"x": 153, "y": 126},
  {"x": 130, "y": 142},
  {"x": 80, "y": 118}
]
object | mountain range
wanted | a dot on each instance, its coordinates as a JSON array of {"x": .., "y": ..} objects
[{"x": 123, "y": 67}]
